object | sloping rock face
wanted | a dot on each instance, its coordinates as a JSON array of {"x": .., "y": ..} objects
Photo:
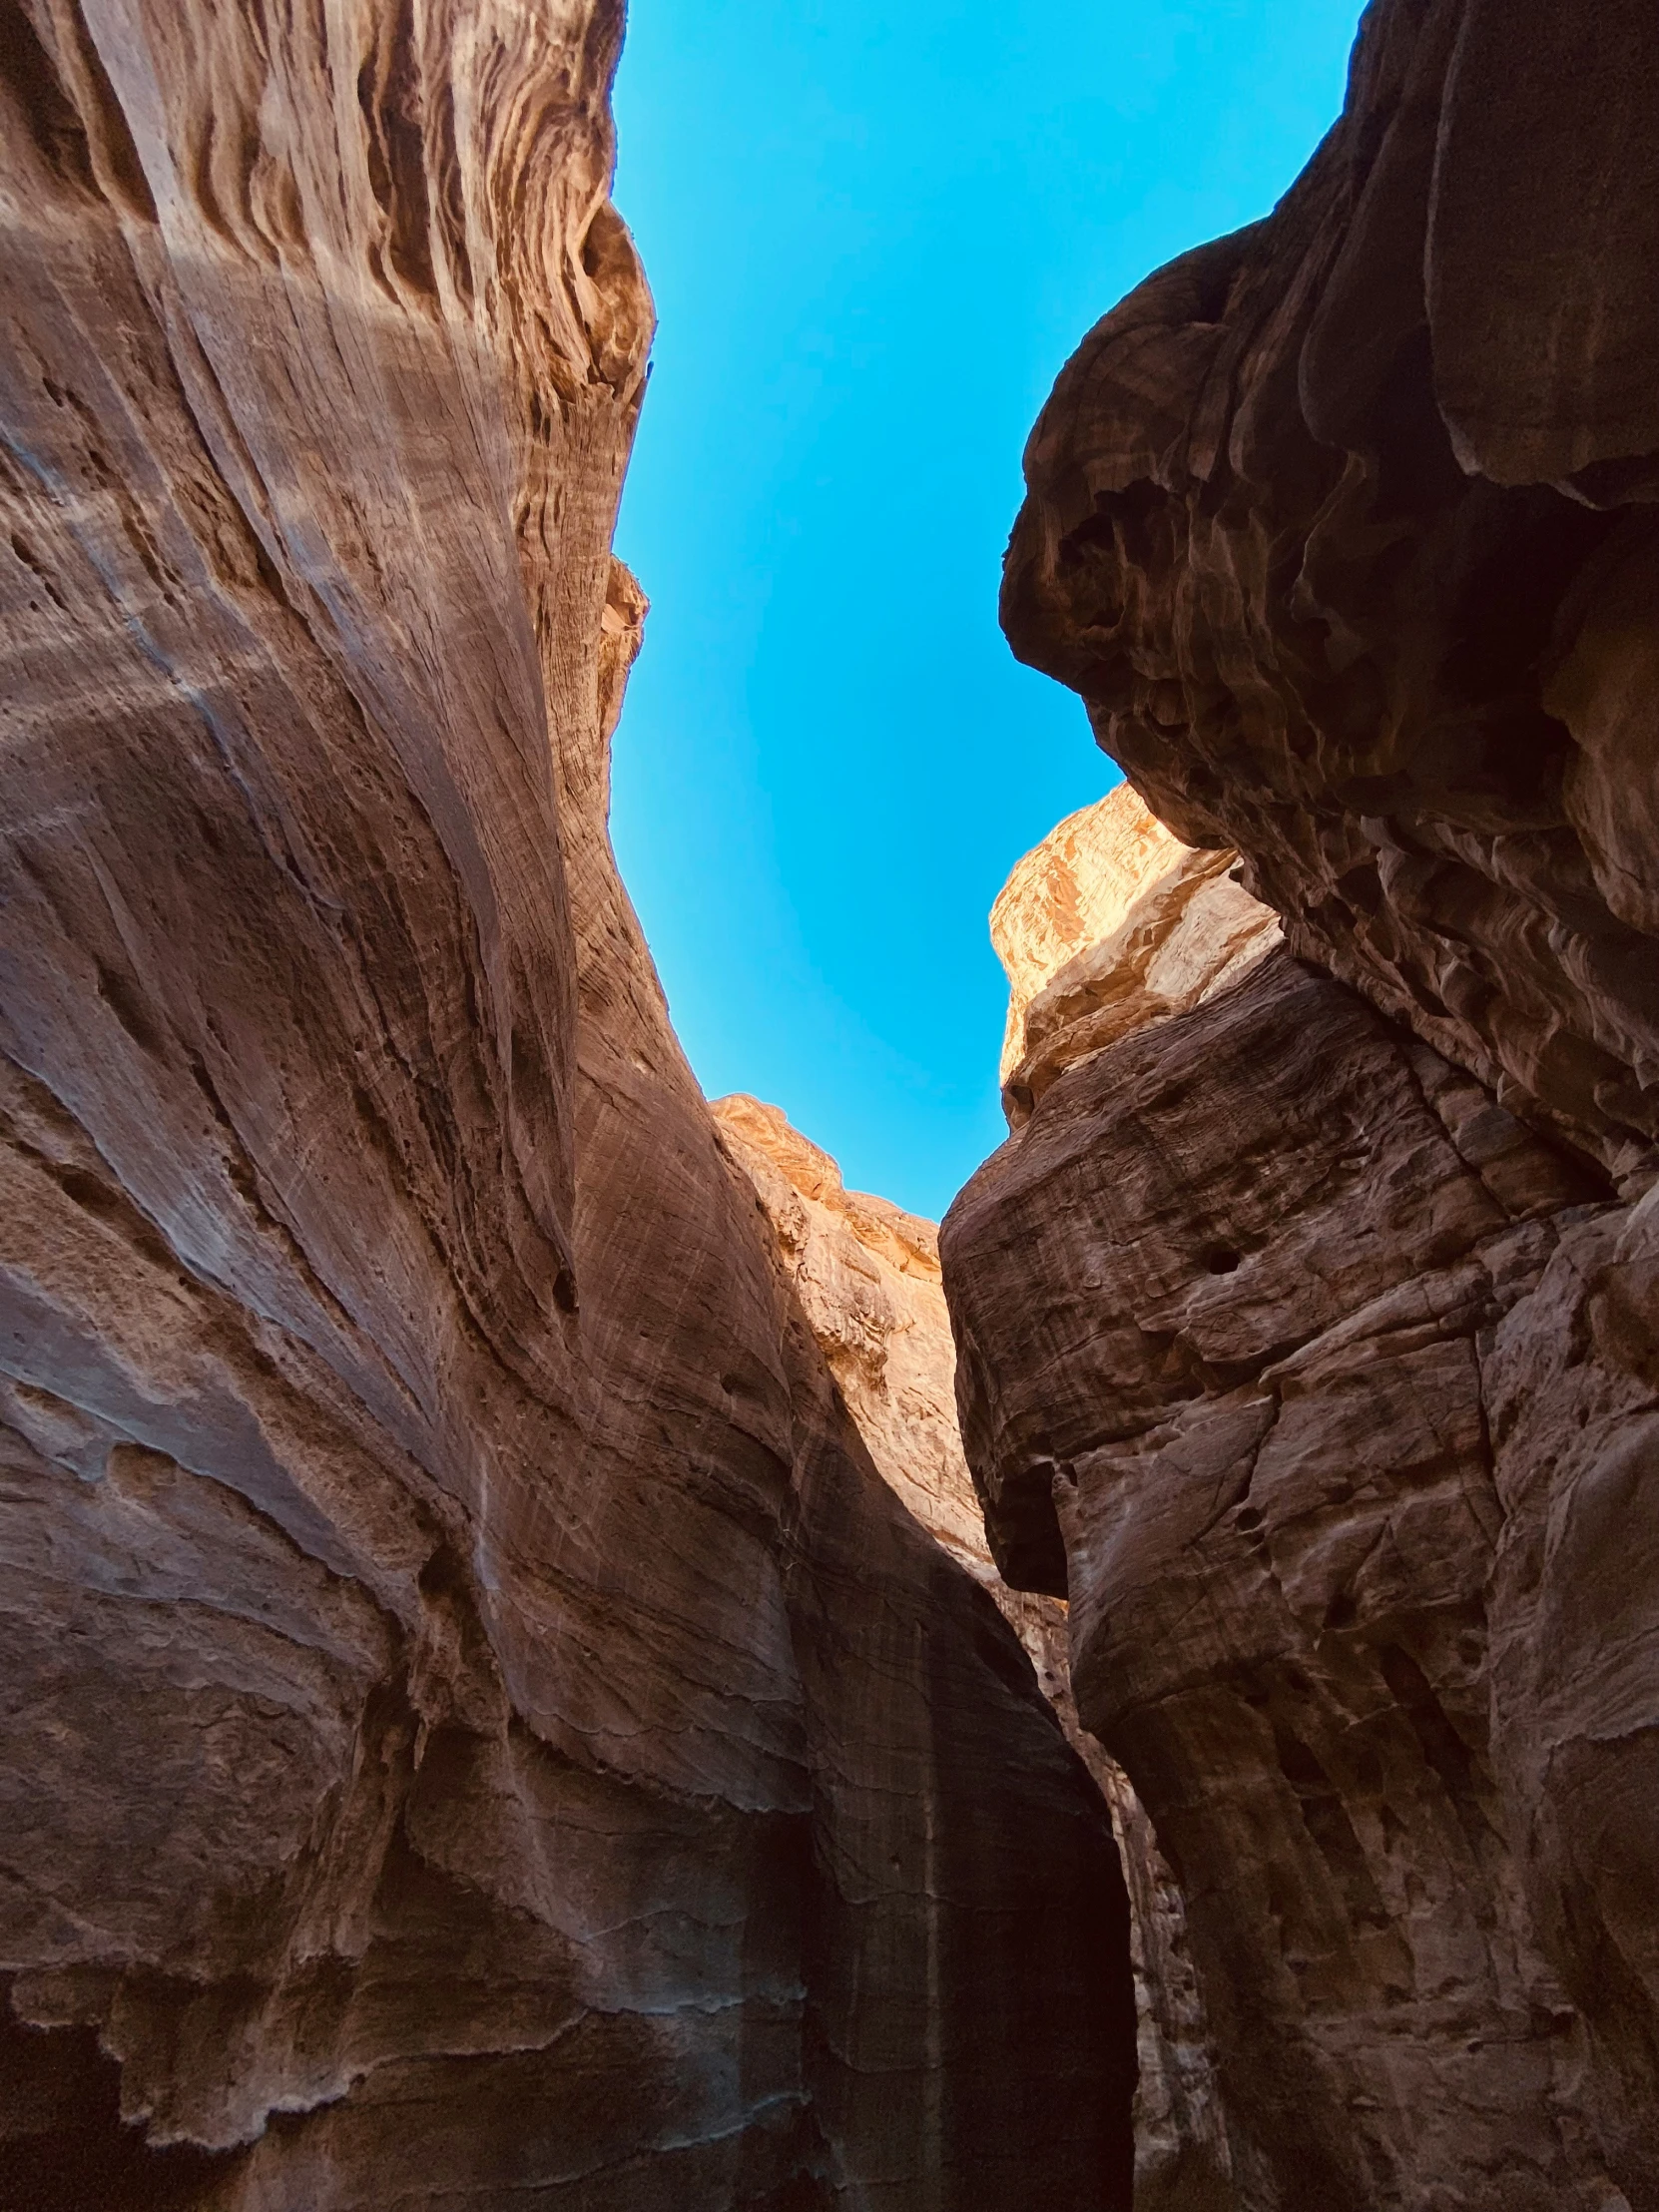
[
  {"x": 1343, "y": 529},
  {"x": 476, "y": 1729},
  {"x": 868, "y": 1279},
  {"x": 1295, "y": 1340},
  {"x": 1109, "y": 924},
  {"x": 868, "y": 1276}
]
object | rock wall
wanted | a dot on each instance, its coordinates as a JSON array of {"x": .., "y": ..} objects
[
  {"x": 1244, "y": 1315},
  {"x": 1070, "y": 891},
  {"x": 868, "y": 1279},
  {"x": 477, "y": 1731},
  {"x": 1311, "y": 1337},
  {"x": 1343, "y": 529}
]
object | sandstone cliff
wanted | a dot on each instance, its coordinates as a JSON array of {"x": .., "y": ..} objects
[
  {"x": 1108, "y": 924},
  {"x": 868, "y": 1279},
  {"x": 477, "y": 1730},
  {"x": 1343, "y": 529},
  {"x": 1310, "y": 1338}
]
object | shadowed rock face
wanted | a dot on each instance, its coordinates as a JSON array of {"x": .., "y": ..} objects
[
  {"x": 1308, "y": 1337},
  {"x": 1343, "y": 529},
  {"x": 1266, "y": 1326},
  {"x": 867, "y": 1276},
  {"x": 476, "y": 1729}
]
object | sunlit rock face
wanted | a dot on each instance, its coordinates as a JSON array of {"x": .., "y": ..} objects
[
  {"x": 1109, "y": 924},
  {"x": 477, "y": 1729},
  {"x": 1343, "y": 529},
  {"x": 1308, "y": 1338},
  {"x": 868, "y": 1280},
  {"x": 1070, "y": 891},
  {"x": 868, "y": 1276}
]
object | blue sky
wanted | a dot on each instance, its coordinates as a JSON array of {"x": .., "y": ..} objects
[{"x": 875, "y": 233}]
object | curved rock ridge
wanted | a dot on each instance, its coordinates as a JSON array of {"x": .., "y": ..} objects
[
  {"x": 477, "y": 1730},
  {"x": 1344, "y": 528},
  {"x": 868, "y": 1279},
  {"x": 1108, "y": 924}
]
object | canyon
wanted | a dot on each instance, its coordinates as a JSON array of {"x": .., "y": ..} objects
[
  {"x": 555, "y": 1657},
  {"x": 868, "y": 1279}
]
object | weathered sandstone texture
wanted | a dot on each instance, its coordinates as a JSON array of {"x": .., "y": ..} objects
[
  {"x": 476, "y": 1731},
  {"x": 1310, "y": 1339},
  {"x": 868, "y": 1280},
  {"x": 1108, "y": 924},
  {"x": 1258, "y": 1319},
  {"x": 1070, "y": 891},
  {"x": 1344, "y": 527},
  {"x": 868, "y": 1276}
]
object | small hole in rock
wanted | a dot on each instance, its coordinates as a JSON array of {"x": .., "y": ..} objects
[{"x": 1220, "y": 1259}]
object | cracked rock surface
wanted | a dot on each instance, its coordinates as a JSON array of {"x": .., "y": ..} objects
[
  {"x": 1278, "y": 1400},
  {"x": 476, "y": 1731},
  {"x": 1107, "y": 925}
]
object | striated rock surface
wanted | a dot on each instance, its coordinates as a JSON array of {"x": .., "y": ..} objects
[
  {"x": 1241, "y": 1314},
  {"x": 476, "y": 1729},
  {"x": 1344, "y": 528},
  {"x": 1111, "y": 923},
  {"x": 868, "y": 1279},
  {"x": 1310, "y": 1338}
]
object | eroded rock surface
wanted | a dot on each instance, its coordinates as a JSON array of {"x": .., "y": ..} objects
[
  {"x": 477, "y": 1731},
  {"x": 1071, "y": 890},
  {"x": 868, "y": 1276},
  {"x": 1108, "y": 924},
  {"x": 1241, "y": 1315},
  {"x": 868, "y": 1279},
  {"x": 1343, "y": 529},
  {"x": 1308, "y": 1337}
]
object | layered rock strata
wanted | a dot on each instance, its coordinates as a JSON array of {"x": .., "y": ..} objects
[
  {"x": 1311, "y": 1337},
  {"x": 1109, "y": 924},
  {"x": 477, "y": 1730},
  {"x": 868, "y": 1280}
]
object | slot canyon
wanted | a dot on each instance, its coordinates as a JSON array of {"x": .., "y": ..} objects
[{"x": 556, "y": 1658}]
